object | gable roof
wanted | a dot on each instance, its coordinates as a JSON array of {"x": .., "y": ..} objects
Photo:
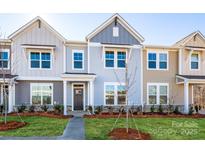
[
  {"x": 33, "y": 21},
  {"x": 129, "y": 28},
  {"x": 184, "y": 40}
]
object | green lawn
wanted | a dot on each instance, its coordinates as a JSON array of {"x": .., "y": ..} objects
[
  {"x": 159, "y": 128},
  {"x": 37, "y": 126}
]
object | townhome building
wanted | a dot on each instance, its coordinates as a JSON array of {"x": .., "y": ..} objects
[{"x": 41, "y": 67}]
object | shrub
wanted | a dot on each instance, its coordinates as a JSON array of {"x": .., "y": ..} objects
[
  {"x": 196, "y": 107},
  {"x": 170, "y": 108},
  {"x": 176, "y": 110},
  {"x": 31, "y": 108},
  {"x": 58, "y": 108},
  {"x": 110, "y": 109},
  {"x": 21, "y": 108},
  {"x": 191, "y": 110},
  {"x": 90, "y": 109},
  {"x": 1, "y": 108},
  {"x": 152, "y": 109},
  {"x": 98, "y": 109},
  {"x": 45, "y": 108},
  {"x": 160, "y": 109}
]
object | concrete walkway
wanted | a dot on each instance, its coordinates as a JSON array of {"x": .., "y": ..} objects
[{"x": 74, "y": 130}]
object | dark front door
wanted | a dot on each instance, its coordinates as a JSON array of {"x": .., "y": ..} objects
[{"x": 78, "y": 99}]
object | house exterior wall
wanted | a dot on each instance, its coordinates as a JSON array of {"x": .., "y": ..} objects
[
  {"x": 40, "y": 36},
  {"x": 114, "y": 75},
  {"x": 69, "y": 58},
  {"x": 23, "y": 91},
  {"x": 106, "y": 36},
  {"x": 163, "y": 76}
]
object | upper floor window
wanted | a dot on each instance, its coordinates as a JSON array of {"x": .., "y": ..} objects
[
  {"x": 157, "y": 93},
  {"x": 157, "y": 61},
  {"x": 4, "y": 59},
  {"x": 115, "y": 94},
  {"x": 115, "y": 58},
  {"x": 40, "y": 60},
  {"x": 121, "y": 58},
  {"x": 109, "y": 59},
  {"x": 78, "y": 59},
  {"x": 195, "y": 61}
]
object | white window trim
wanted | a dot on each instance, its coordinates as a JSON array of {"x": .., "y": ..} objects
[
  {"x": 8, "y": 52},
  {"x": 199, "y": 61},
  {"x": 158, "y": 92},
  {"x": 115, "y": 50},
  {"x": 40, "y": 68},
  {"x": 115, "y": 84},
  {"x": 41, "y": 84},
  {"x": 77, "y": 51},
  {"x": 158, "y": 60},
  {"x": 115, "y": 31}
]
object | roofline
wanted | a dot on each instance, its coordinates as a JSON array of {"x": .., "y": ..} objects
[
  {"x": 108, "y": 21},
  {"x": 160, "y": 47},
  {"x": 76, "y": 42},
  {"x": 31, "y": 22},
  {"x": 5, "y": 40}
]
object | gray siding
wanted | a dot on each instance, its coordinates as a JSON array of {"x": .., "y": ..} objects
[
  {"x": 106, "y": 36},
  {"x": 23, "y": 92},
  {"x": 108, "y": 75},
  {"x": 69, "y": 53},
  {"x": 36, "y": 35}
]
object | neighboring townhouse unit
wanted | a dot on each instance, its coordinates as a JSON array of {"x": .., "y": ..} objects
[{"x": 41, "y": 67}]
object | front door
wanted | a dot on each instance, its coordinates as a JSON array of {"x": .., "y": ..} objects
[{"x": 78, "y": 97}]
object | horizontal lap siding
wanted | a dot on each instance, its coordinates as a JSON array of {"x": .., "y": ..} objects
[
  {"x": 175, "y": 91},
  {"x": 23, "y": 92}
]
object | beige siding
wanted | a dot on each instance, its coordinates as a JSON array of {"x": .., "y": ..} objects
[
  {"x": 36, "y": 35},
  {"x": 169, "y": 76}
]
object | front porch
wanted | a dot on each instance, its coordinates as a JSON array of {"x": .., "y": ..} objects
[
  {"x": 194, "y": 90},
  {"x": 80, "y": 86}
]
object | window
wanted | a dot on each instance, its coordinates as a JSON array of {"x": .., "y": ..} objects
[
  {"x": 4, "y": 59},
  {"x": 115, "y": 94},
  {"x": 41, "y": 94},
  {"x": 157, "y": 61},
  {"x": 153, "y": 94},
  {"x": 157, "y": 93},
  {"x": 109, "y": 58},
  {"x": 115, "y": 58},
  {"x": 110, "y": 94},
  {"x": 152, "y": 60},
  {"x": 40, "y": 60},
  {"x": 194, "y": 61},
  {"x": 121, "y": 95},
  {"x": 162, "y": 61},
  {"x": 78, "y": 57},
  {"x": 121, "y": 57}
]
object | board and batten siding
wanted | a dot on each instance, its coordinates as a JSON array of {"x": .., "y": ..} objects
[
  {"x": 106, "y": 36},
  {"x": 40, "y": 36}
]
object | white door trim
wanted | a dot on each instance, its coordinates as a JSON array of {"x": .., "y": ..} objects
[{"x": 72, "y": 95}]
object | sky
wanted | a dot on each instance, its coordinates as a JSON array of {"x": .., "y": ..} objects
[{"x": 157, "y": 29}]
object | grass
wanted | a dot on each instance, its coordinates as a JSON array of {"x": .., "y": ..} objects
[
  {"x": 37, "y": 126},
  {"x": 159, "y": 128}
]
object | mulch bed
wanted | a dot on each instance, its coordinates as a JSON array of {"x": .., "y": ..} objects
[
  {"x": 146, "y": 115},
  {"x": 11, "y": 125},
  {"x": 133, "y": 134},
  {"x": 43, "y": 114}
]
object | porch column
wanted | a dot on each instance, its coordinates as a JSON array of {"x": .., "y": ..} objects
[
  {"x": 186, "y": 97},
  {"x": 10, "y": 99},
  {"x": 92, "y": 94},
  {"x": 65, "y": 97}
]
